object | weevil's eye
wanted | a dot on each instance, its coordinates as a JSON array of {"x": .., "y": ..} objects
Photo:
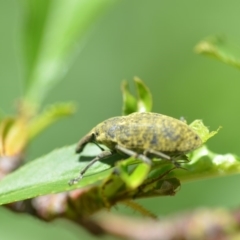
[
  {"x": 96, "y": 133},
  {"x": 196, "y": 137}
]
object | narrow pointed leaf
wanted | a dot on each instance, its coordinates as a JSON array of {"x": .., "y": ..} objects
[
  {"x": 52, "y": 31},
  {"x": 202, "y": 130},
  {"x": 129, "y": 101},
  {"x": 221, "y": 49},
  {"x": 48, "y": 116},
  {"x": 144, "y": 99}
]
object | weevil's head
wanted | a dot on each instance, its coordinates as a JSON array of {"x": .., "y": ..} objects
[{"x": 104, "y": 133}]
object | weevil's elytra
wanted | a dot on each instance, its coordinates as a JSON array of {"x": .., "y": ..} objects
[
  {"x": 142, "y": 131},
  {"x": 141, "y": 135}
]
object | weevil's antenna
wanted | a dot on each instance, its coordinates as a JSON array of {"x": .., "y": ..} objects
[{"x": 98, "y": 145}]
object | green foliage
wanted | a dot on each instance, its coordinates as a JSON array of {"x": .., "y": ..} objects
[
  {"x": 136, "y": 177},
  {"x": 48, "y": 116},
  {"x": 113, "y": 190},
  {"x": 48, "y": 52},
  {"x": 51, "y": 173},
  {"x": 52, "y": 31},
  {"x": 221, "y": 49},
  {"x": 141, "y": 103},
  {"x": 202, "y": 130},
  {"x": 204, "y": 163}
]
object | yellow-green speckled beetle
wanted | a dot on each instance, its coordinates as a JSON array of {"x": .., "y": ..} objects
[{"x": 142, "y": 135}]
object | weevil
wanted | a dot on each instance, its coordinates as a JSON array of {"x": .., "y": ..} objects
[{"x": 143, "y": 135}]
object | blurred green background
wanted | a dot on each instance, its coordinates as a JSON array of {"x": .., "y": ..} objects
[{"x": 153, "y": 40}]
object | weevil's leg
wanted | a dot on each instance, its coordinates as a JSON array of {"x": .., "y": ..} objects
[
  {"x": 142, "y": 157},
  {"x": 184, "y": 158},
  {"x": 156, "y": 153},
  {"x": 102, "y": 155},
  {"x": 162, "y": 155},
  {"x": 152, "y": 180}
]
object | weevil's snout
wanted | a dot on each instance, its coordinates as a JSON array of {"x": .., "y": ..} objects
[{"x": 85, "y": 140}]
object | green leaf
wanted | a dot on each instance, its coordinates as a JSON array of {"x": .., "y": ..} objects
[
  {"x": 137, "y": 176},
  {"x": 50, "y": 115},
  {"x": 204, "y": 164},
  {"x": 202, "y": 130},
  {"x": 141, "y": 103},
  {"x": 129, "y": 101},
  {"x": 144, "y": 96},
  {"x": 51, "y": 173},
  {"x": 221, "y": 49},
  {"x": 52, "y": 30}
]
